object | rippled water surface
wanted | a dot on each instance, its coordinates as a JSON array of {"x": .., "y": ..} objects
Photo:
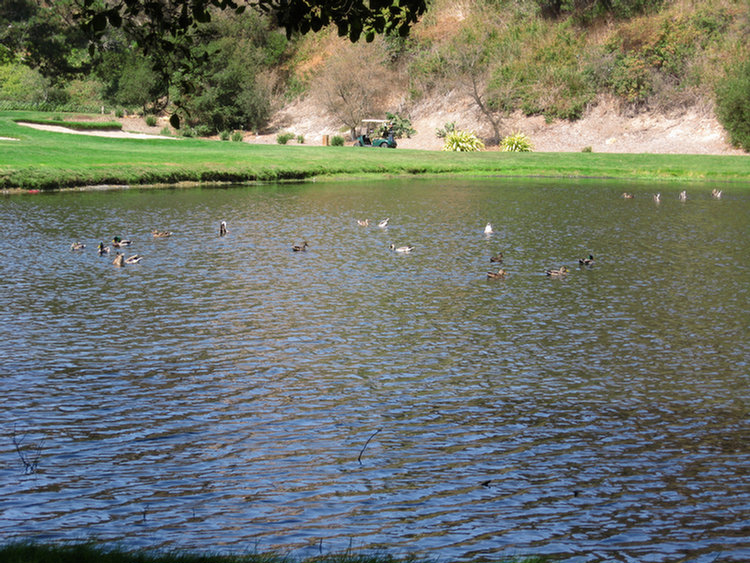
[{"x": 229, "y": 394}]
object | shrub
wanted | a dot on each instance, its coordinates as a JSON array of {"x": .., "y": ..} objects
[
  {"x": 224, "y": 135},
  {"x": 337, "y": 141},
  {"x": 119, "y": 113},
  {"x": 733, "y": 105},
  {"x": 151, "y": 120},
  {"x": 166, "y": 131},
  {"x": 301, "y": 139},
  {"x": 587, "y": 149},
  {"x": 447, "y": 128},
  {"x": 237, "y": 136},
  {"x": 284, "y": 138},
  {"x": 462, "y": 141},
  {"x": 516, "y": 142},
  {"x": 401, "y": 126}
]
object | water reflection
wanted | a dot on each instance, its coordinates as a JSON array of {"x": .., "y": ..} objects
[{"x": 219, "y": 393}]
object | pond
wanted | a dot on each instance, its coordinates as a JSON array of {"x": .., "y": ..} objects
[{"x": 230, "y": 394}]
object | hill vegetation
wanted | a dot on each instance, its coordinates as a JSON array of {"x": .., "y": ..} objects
[{"x": 550, "y": 58}]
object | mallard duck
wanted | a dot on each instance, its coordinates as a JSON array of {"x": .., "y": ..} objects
[
  {"x": 223, "y": 229},
  {"x": 586, "y": 261},
  {"x": 384, "y": 223},
  {"x": 562, "y": 271},
  {"x": 300, "y": 247},
  {"x": 627, "y": 195},
  {"x": 101, "y": 249},
  {"x": 77, "y": 246},
  {"x": 683, "y": 195},
  {"x": 117, "y": 242},
  {"x": 500, "y": 274},
  {"x": 657, "y": 198},
  {"x": 363, "y": 223},
  {"x": 497, "y": 258},
  {"x": 488, "y": 229},
  {"x": 161, "y": 234},
  {"x": 119, "y": 260},
  {"x": 402, "y": 249},
  {"x": 134, "y": 259},
  {"x": 716, "y": 194}
]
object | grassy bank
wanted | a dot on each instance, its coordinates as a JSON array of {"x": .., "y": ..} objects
[
  {"x": 45, "y": 160},
  {"x": 25, "y": 552}
]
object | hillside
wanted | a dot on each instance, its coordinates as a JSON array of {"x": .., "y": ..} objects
[{"x": 641, "y": 84}]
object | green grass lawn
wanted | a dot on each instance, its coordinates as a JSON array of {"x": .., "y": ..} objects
[{"x": 45, "y": 160}]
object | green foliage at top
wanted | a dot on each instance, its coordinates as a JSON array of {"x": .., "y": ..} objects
[{"x": 733, "y": 104}]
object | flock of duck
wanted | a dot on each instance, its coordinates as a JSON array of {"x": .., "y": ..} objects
[
  {"x": 716, "y": 194},
  {"x": 120, "y": 260},
  {"x": 118, "y": 242}
]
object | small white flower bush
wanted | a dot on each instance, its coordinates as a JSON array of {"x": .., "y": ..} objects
[
  {"x": 516, "y": 142},
  {"x": 462, "y": 141}
]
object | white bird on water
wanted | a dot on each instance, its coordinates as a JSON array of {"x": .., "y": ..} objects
[
  {"x": 402, "y": 249},
  {"x": 384, "y": 223},
  {"x": 488, "y": 229}
]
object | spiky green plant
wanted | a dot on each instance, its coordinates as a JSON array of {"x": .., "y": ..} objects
[
  {"x": 516, "y": 142},
  {"x": 462, "y": 141}
]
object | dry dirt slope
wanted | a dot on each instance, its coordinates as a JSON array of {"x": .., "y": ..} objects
[{"x": 604, "y": 128}]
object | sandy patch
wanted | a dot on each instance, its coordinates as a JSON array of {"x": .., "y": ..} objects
[
  {"x": 7, "y": 139},
  {"x": 114, "y": 134}
]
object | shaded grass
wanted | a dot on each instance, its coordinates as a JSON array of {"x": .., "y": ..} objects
[
  {"x": 45, "y": 160},
  {"x": 29, "y": 552},
  {"x": 78, "y": 125}
]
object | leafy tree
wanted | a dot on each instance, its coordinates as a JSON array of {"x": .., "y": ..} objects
[
  {"x": 733, "y": 104},
  {"x": 159, "y": 19},
  {"x": 469, "y": 60},
  {"x": 353, "y": 86},
  {"x": 45, "y": 35},
  {"x": 232, "y": 86}
]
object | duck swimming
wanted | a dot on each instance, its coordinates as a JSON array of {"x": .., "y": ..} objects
[
  {"x": 120, "y": 259},
  {"x": 488, "y": 229},
  {"x": 716, "y": 194},
  {"x": 384, "y": 223},
  {"x": 77, "y": 246},
  {"x": 683, "y": 195},
  {"x": 562, "y": 271},
  {"x": 627, "y": 195},
  {"x": 500, "y": 274},
  {"x": 300, "y": 247},
  {"x": 161, "y": 234},
  {"x": 223, "y": 229},
  {"x": 497, "y": 258},
  {"x": 365, "y": 223},
  {"x": 117, "y": 242},
  {"x": 101, "y": 249},
  {"x": 657, "y": 198},
  {"x": 586, "y": 261},
  {"x": 402, "y": 249}
]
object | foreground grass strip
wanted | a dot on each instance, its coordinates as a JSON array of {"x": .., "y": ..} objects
[
  {"x": 45, "y": 160},
  {"x": 28, "y": 552}
]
